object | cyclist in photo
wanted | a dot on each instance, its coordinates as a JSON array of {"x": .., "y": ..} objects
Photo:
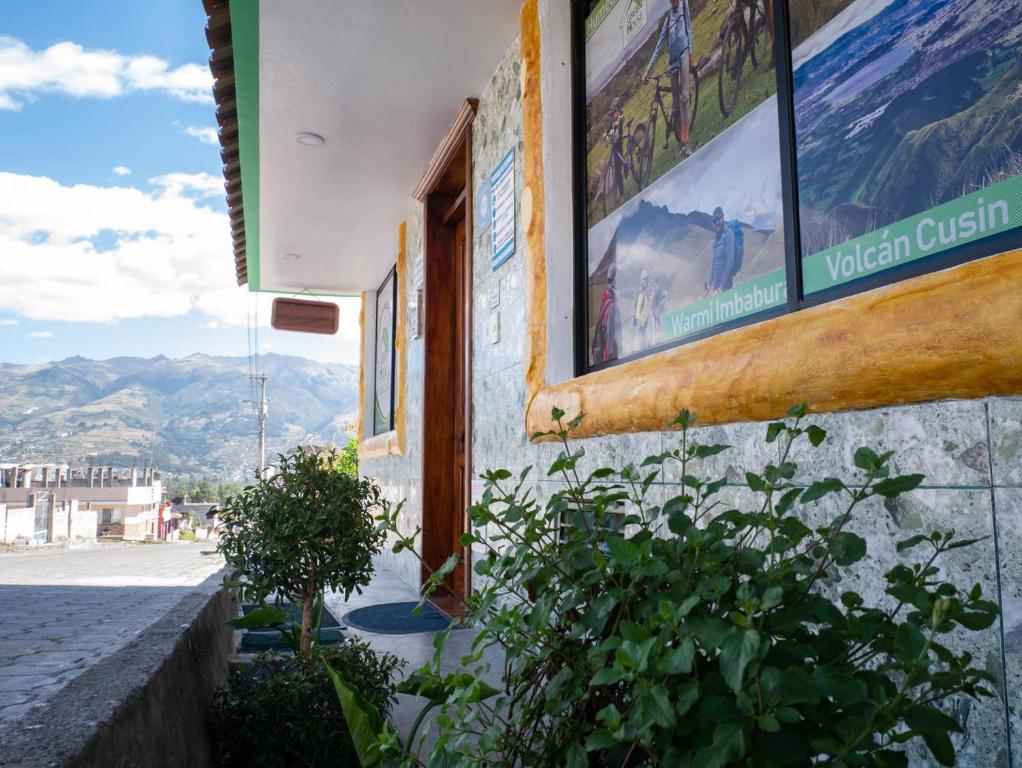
[
  {"x": 615, "y": 137},
  {"x": 725, "y": 249},
  {"x": 677, "y": 32}
]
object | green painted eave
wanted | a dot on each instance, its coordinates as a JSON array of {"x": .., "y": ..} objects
[{"x": 245, "y": 41}]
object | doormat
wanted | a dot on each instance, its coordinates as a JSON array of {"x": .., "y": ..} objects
[
  {"x": 267, "y": 638},
  {"x": 397, "y": 619}
]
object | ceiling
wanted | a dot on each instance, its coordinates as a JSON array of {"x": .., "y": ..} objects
[{"x": 381, "y": 81}]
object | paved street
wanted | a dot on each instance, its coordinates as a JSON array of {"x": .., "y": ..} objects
[{"x": 62, "y": 611}]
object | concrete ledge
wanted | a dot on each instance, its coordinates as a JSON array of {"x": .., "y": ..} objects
[{"x": 144, "y": 706}]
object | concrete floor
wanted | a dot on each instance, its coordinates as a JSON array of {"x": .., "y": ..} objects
[{"x": 416, "y": 649}]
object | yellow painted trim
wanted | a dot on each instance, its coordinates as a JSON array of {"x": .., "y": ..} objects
[
  {"x": 362, "y": 369},
  {"x": 533, "y": 204},
  {"x": 950, "y": 334},
  {"x": 390, "y": 443}
]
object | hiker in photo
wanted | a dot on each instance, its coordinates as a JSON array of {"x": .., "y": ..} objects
[
  {"x": 643, "y": 306},
  {"x": 656, "y": 320},
  {"x": 677, "y": 31},
  {"x": 607, "y": 335},
  {"x": 728, "y": 250}
]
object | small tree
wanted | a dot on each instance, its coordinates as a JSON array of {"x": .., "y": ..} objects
[{"x": 308, "y": 528}]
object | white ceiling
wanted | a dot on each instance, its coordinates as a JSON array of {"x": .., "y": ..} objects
[{"x": 381, "y": 81}]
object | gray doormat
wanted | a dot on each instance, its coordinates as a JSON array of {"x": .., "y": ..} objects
[{"x": 397, "y": 619}]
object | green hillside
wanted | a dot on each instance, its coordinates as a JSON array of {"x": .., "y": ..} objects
[{"x": 187, "y": 415}]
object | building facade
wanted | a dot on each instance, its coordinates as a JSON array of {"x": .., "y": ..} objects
[
  {"x": 52, "y": 503},
  {"x": 628, "y": 217}
]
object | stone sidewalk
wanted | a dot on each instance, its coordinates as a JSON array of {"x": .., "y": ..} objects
[{"x": 63, "y": 611}]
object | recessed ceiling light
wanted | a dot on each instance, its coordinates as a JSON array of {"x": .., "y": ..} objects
[
  {"x": 307, "y": 139},
  {"x": 290, "y": 256}
]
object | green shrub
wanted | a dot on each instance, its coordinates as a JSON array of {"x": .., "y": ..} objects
[
  {"x": 306, "y": 529},
  {"x": 704, "y": 630},
  {"x": 187, "y": 535},
  {"x": 284, "y": 711}
]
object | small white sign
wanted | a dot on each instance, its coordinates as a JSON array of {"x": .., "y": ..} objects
[
  {"x": 502, "y": 209},
  {"x": 495, "y": 294},
  {"x": 417, "y": 270},
  {"x": 495, "y": 328}
]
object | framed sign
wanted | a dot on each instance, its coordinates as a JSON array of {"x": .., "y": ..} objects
[
  {"x": 502, "y": 209},
  {"x": 741, "y": 159},
  {"x": 386, "y": 322}
]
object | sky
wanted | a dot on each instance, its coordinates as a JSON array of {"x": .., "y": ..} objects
[{"x": 114, "y": 237}]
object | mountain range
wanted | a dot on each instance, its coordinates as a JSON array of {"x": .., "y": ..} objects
[
  {"x": 189, "y": 416},
  {"x": 916, "y": 106}
]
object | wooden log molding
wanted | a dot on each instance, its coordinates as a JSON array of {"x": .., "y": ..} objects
[
  {"x": 950, "y": 334},
  {"x": 389, "y": 443}
]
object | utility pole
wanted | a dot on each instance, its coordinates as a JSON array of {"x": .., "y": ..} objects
[{"x": 262, "y": 424}]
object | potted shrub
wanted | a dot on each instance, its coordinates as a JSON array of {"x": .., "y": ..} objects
[
  {"x": 290, "y": 537},
  {"x": 308, "y": 528}
]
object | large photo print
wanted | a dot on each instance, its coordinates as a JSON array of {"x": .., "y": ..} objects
[
  {"x": 909, "y": 130},
  {"x": 684, "y": 210}
]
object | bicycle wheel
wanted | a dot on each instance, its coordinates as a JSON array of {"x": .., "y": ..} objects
[
  {"x": 762, "y": 42},
  {"x": 732, "y": 59},
  {"x": 646, "y": 154},
  {"x": 694, "y": 106}
]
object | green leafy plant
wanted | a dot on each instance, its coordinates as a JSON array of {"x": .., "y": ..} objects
[
  {"x": 704, "y": 630},
  {"x": 308, "y": 528},
  {"x": 284, "y": 711}
]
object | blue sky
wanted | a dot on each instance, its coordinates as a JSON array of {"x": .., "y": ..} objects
[{"x": 113, "y": 231}]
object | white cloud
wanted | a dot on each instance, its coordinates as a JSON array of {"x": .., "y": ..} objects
[
  {"x": 8, "y": 322},
  {"x": 122, "y": 170},
  {"x": 41, "y": 335},
  {"x": 178, "y": 184},
  {"x": 70, "y": 69},
  {"x": 163, "y": 253},
  {"x": 119, "y": 253},
  {"x": 205, "y": 134}
]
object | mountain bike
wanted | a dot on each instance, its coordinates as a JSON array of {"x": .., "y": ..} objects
[
  {"x": 658, "y": 107},
  {"x": 746, "y": 34}
]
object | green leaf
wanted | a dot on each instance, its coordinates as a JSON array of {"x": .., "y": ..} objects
[
  {"x": 365, "y": 724},
  {"x": 771, "y": 598},
  {"x": 608, "y": 676},
  {"x": 934, "y": 726},
  {"x": 599, "y": 740},
  {"x": 774, "y": 429},
  {"x": 264, "y": 616},
  {"x": 768, "y": 723},
  {"x": 821, "y": 488},
  {"x": 735, "y": 654},
  {"x": 798, "y": 411},
  {"x": 894, "y": 486},
  {"x": 911, "y": 541},
  {"x": 678, "y": 661},
  {"x": 867, "y": 459},
  {"x": 816, "y": 435},
  {"x": 624, "y": 553},
  {"x": 847, "y": 548},
  {"x": 576, "y": 756},
  {"x": 728, "y": 746},
  {"x": 909, "y": 642}
]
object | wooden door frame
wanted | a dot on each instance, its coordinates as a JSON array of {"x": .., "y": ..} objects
[{"x": 447, "y": 194}]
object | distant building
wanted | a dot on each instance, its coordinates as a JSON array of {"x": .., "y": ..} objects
[{"x": 49, "y": 503}]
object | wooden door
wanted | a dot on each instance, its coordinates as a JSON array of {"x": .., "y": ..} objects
[{"x": 446, "y": 455}]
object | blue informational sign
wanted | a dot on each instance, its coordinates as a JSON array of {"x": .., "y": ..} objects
[
  {"x": 484, "y": 210},
  {"x": 502, "y": 209}
]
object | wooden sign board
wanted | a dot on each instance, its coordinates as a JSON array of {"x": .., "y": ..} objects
[{"x": 305, "y": 316}]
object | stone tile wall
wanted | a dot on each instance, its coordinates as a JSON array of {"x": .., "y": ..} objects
[{"x": 970, "y": 452}]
